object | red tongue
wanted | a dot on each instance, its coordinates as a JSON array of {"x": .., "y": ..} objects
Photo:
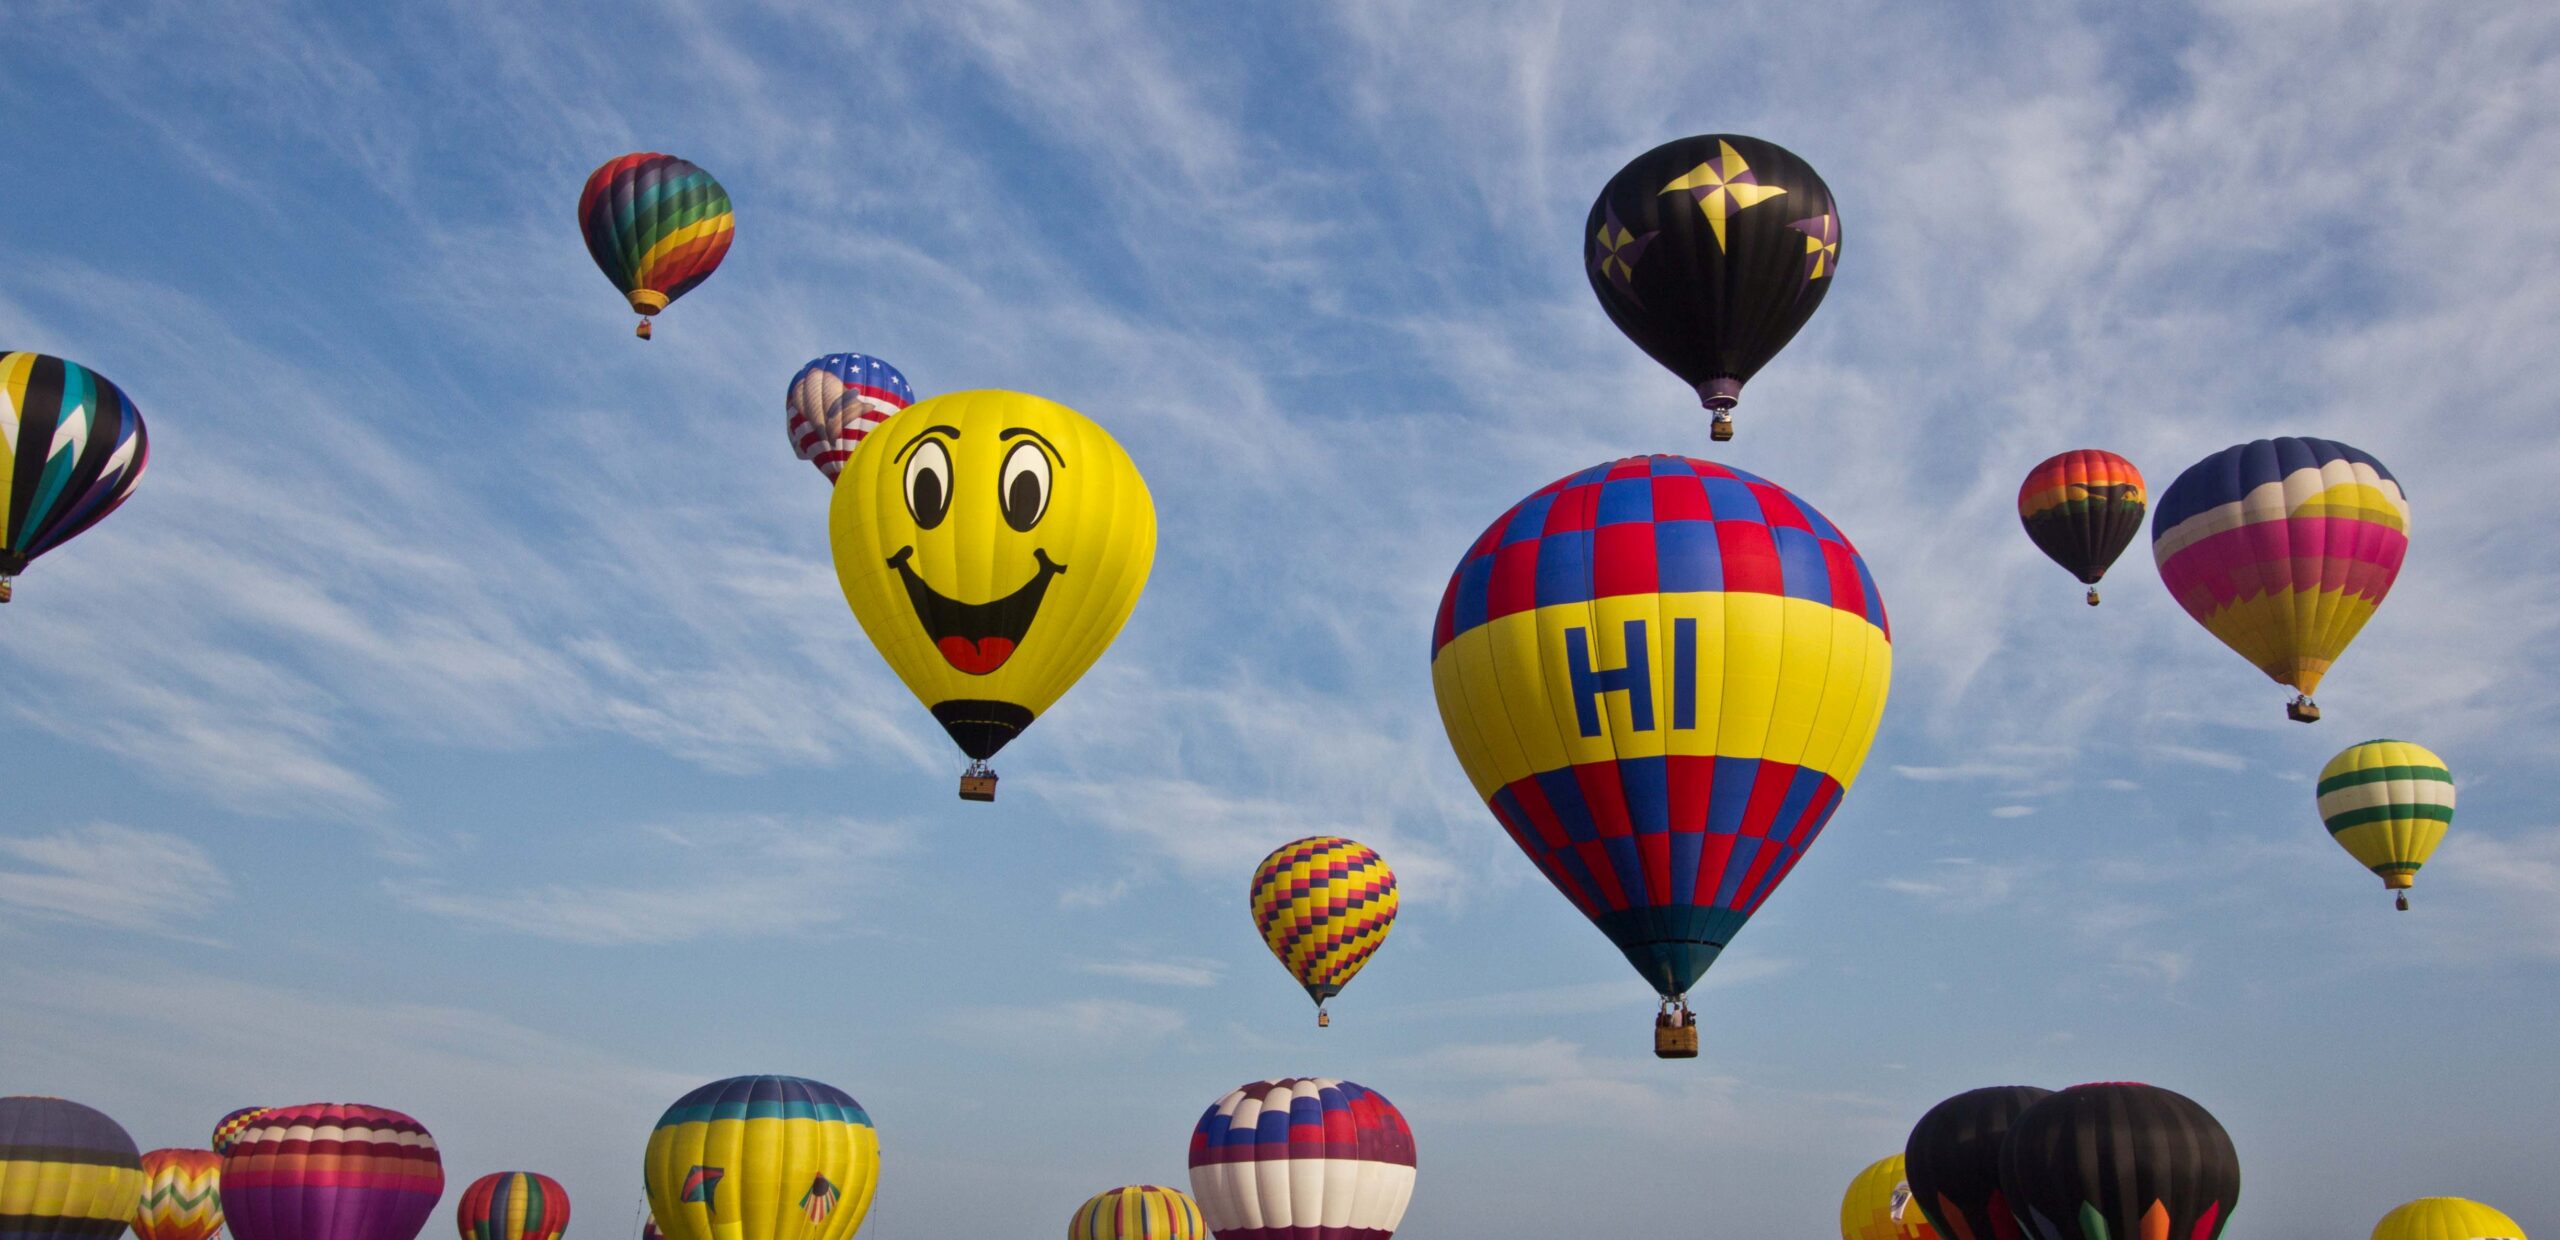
[{"x": 976, "y": 658}]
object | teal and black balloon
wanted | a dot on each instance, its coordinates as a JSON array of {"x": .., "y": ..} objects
[{"x": 71, "y": 449}]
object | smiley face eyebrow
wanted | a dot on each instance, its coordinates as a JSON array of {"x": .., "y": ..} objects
[
  {"x": 1014, "y": 431},
  {"x": 921, "y": 436}
]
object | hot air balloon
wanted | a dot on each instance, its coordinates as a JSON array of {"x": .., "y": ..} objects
[
  {"x": 513, "y": 1205},
  {"x": 656, "y": 226},
  {"x": 2446, "y": 1218},
  {"x": 1289, "y": 1159},
  {"x": 71, "y": 449},
  {"x": 229, "y": 1130},
  {"x": 992, "y": 544},
  {"x": 2282, "y": 549},
  {"x": 2119, "y": 1161},
  {"x": 836, "y": 400},
  {"x": 1662, "y": 674},
  {"x": 1878, "y": 1206},
  {"x": 331, "y": 1171},
  {"x": 1953, "y": 1161},
  {"x": 181, "y": 1196},
  {"x": 762, "y": 1158},
  {"x": 2388, "y": 804},
  {"x": 67, "y": 1172},
  {"x": 1710, "y": 253},
  {"x": 1323, "y": 904},
  {"x": 2082, "y": 507},
  {"x": 1138, "y": 1212}
]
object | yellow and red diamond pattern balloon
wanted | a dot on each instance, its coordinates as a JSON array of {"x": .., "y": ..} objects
[{"x": 1323, "y": 904}]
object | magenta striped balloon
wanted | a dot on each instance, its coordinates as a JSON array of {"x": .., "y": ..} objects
[
  {"x": 331, "y": 1171},
  {"x": 1302, "y": 1159}
]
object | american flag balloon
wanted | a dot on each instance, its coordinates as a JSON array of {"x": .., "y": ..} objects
[{"x": 834, "y": 401}]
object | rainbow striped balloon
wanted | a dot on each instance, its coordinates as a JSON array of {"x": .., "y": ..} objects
[
  {"x": 656, "y": 226},
  {"x": 2387, "y": 803},
  {"x": 2082, "y": 508},
  {"x": 72, "y": 448},
  {"x": 1323, "y": 904},
  {"x": 513, "y": 1205},
  {"x": 2282, "y": 549},
  {"x": 1138, "y": 1212},
  {"x": 67, "y": 1172},
  {"x": 181, "y": 1195}
]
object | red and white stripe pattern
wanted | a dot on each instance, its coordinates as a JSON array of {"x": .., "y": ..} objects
[
  {"x": 1302, "y": 1159},
  {"x": 835, "y": 401}
]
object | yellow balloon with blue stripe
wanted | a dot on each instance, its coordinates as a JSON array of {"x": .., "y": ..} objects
[
  {"x": 2388, "y": 804},
  {"x": 992, "y": 544},
  {"x": 1138, "y": 1212},
  {"x": 67, "y": 1172},
  {"x": 1662, "y": 674},
  {"x": 762, "y": 1158}
]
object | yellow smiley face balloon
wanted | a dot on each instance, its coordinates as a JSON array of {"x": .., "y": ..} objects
[{"x": 992, "y": 544}]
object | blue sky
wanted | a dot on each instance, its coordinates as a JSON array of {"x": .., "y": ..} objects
[{"x": 463, "y": 717}]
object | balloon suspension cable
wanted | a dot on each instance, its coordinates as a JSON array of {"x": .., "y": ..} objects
[
  {"x": 978, "y": 783},
  {"x": 642, "y": 331},
  {"x": 2302, "y": 709},
  {"x": 2093, "y": 596}
]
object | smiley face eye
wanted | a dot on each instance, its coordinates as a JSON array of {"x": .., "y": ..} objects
[
  {"x": 929, "y": 483},
  {"x": 1024, "y": 486}
]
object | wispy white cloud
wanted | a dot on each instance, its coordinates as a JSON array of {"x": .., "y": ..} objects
[
  {"x": 1068, "y": 1029},
  {"x": 1189, "y": 972},
  {"x": 729, "y": 878},
  {"x": 110, "y": 875}
]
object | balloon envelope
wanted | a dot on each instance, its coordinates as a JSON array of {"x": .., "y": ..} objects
[
  {"x": 67, "y": 1172},
  {"x": 1662, "y": 674},
  {"x": 1138, "y": 1212},
  {"x": 1710, "y": 253},
  {"x": 72, "y": 447},
  {"x": 1324, "y": 904},
  {"x": 231, "y": 1126},
  {"x": 655, "y": 225},
  {"x": 837, "y": 400},
  {"x": 762, "y": 1158},
  {"x": 1298, "y": 1158},
  {"x": 2082, "y": 508},
  {"x": 2282, "y": 549},
  {"x": 2446, "y": 1218},
  {"x": 2116, "y": 1161},
  {"x": 1878, "y": 1205},
  {"x": 1953, "y": 1161},
  {"x": 331, "y": 1171},
  {"x": 991, "y": 544},
  {"x": 513, "y": 1205},
  {"x": 181, "y": 1195},
  {"x": 2388, "y": 804}
]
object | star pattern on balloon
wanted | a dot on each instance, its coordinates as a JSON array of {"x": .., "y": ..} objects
[
  {"x": 1615, "y": 251},
  {"x": 1722, "y": 186},
  {"x": 1821, "y": 244}
]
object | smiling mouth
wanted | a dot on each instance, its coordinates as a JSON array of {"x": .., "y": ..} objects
[{"x": 976, "y": 638}]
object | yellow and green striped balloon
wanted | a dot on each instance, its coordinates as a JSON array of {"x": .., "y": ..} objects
[
  {"x": 1138, "y": 1212},
  {"x": 2387, "y": 803}
]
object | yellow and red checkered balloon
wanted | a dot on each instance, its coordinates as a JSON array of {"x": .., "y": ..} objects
[{"x": 1323, "y": 904}]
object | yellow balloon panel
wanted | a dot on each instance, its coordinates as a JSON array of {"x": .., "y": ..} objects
[
  {"x": 762, "y": 1158},
  {"x": 992, "y": 544},
  {"x": 1878, "y": 1206},
  {"x": 2447, "y": 1218}
]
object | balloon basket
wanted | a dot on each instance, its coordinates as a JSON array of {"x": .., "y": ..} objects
[
  {"x": 2402, "y": 903},
  {"x": 1675, "y": 1034},
  {"x": 2093, "y": 596},
  {"x": 1324, "y": 1019},
  {"x": 2302, "y": 710},
  {"x": 641, "y": 331},
  {"x": 1721, "y": 430},
  {"x": 4, "y": 589},
  {"x": 978, "y": 783}
]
